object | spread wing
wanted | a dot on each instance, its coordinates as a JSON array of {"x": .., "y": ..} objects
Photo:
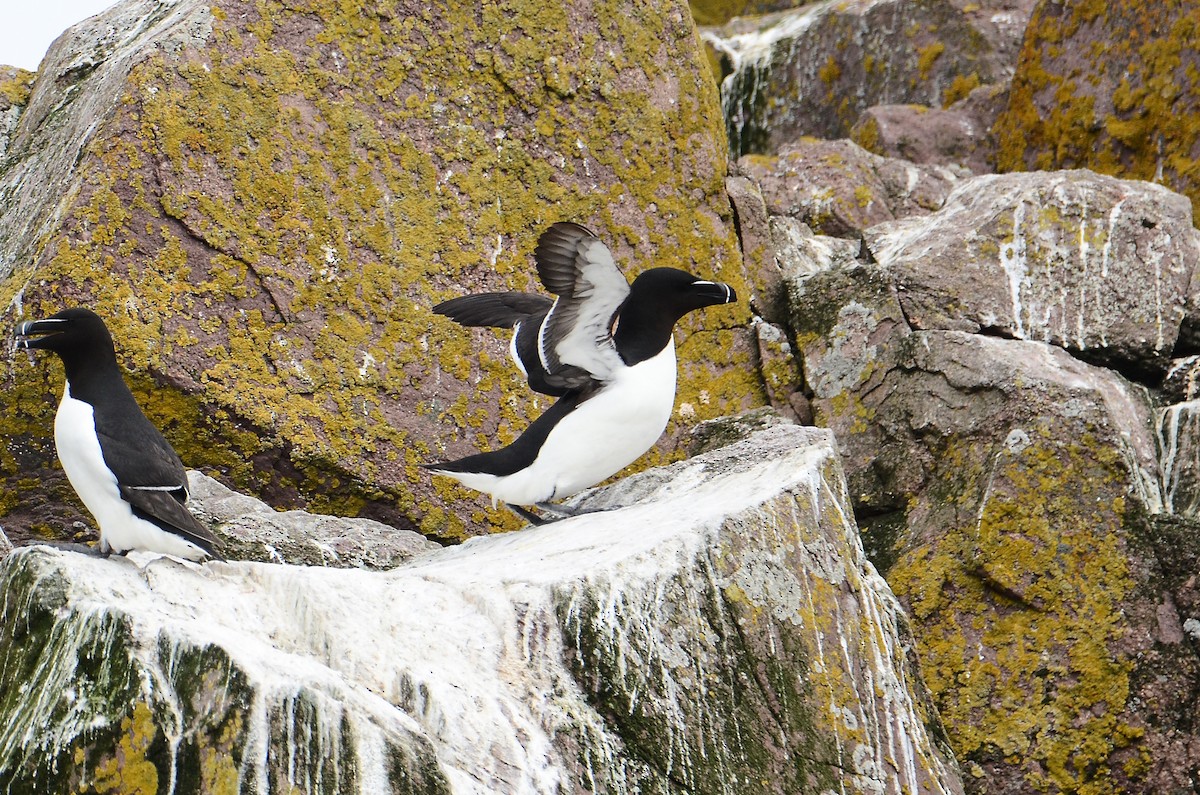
[
  {"x": 575, "y": 340},
  {"x": 499, "y": 310},
  {"x": 153, "y": 481},
  {"x": 523, "y": 313}
]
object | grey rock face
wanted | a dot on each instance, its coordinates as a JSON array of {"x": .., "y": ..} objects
[
  {"x": 1099, "y": 266},
  {"x": 249, "y": 529},
  {"x": 718, "y": 631}
]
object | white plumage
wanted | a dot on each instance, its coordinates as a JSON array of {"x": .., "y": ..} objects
[
  {"x": 601, "y": 437},
  {"x": 83, "y": 461}
]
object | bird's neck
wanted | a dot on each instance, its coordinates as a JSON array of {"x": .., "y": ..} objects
[
  {"x": 642, "y": 331},
  {"x": 91, "y": 378}
]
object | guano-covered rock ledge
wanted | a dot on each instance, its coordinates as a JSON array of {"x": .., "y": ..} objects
[{"x": 724, "y": 633}]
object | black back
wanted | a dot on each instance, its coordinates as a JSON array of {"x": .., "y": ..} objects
[
  {"x": 520, "y": 453},
  {"x": 148, "y": 470}
]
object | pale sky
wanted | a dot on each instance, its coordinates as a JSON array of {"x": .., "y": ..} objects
[{"x": 28, "y": 26}]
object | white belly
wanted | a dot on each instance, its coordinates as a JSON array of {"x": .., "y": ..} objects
[
  {"x": 82, "y": 460},
  {"x": 598, "y": 439}
]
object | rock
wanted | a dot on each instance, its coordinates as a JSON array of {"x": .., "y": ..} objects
[
  {"x": 1099, "y": 266},
  {"x": 1179, "y": 440},
  {"x": 753, "y": 225},
  {"x": 958, "y": 137},
  {"x": 714, "y": 434},
  {"x": 1182, "y": 381},
  {"x": 1137, "y": 113},
  {"x": 720, "y": 633},
  {"x": 249, "y": 529},
  {"x": 838, "y": 188},
  {"x": 264, "y": 199},
  {"x": 1011, "y": 493},
  {"x": 813, "y": 70},
  {"x": 14, "y": 95}
]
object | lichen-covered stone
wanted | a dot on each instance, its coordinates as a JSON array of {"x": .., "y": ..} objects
[
  {"x": 838, "y": 188},
  {"x": 1099, "y": 266},
  {"x": 812, "y": 70},
  {"x": 264, "y": 198},
  {"x": 718, "y": 630},
  {"x": 1109, "y": 86},
  {"x": 14, "y": 95}
]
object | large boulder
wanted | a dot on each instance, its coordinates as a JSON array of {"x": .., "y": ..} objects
[
  {"x": 1107, "y": 86},
  {"x": 1099, "y": 266},
  {"x": 837, "y": 188},
  {"x": 958, "y": 137},
  {"x": 813, "y": 70},
  {"x": 264, "y": 199},
  {"x": 718, "y": 631},
  {"x": 1007, "y": 471}
]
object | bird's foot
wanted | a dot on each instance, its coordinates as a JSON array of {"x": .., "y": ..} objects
[
  {"x": 559, "y": 512},
  {"x": 527, "y": 515},
  {"x": 564, "y": 511}
]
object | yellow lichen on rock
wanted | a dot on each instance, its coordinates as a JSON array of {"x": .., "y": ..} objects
[
  {"x": 1020, "y": 608},
  {"x": 266, "y": 221},
  {"x": 128, "y": 771}
]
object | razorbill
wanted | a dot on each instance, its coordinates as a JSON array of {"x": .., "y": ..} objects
[
  {"x": 603, "y": 347},
  {"x": 122, "y": 468}
]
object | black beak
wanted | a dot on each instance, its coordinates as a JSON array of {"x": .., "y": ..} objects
[
  {"x": 40, "y": 329},
  {"x": 715, "y": 292}
]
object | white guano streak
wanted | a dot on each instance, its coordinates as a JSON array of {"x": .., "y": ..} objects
[{"x": 1012, "y": 259}]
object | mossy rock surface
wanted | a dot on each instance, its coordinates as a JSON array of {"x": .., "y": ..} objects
[
  {"x": 717, "y": 631},
  {"x": 270, "y": 196},
  {"x": 1110, "y": 86}
]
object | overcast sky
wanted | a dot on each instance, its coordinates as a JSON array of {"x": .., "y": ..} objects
[{"x": 28, "y": 26}]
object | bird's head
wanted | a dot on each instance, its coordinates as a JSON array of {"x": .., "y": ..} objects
[
  {"x": 70, "y": 333},
  {"x": 678, "y": 292}
]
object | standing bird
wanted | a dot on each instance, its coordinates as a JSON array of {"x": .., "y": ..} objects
[
  {"x": 604, "y": 348},
  {"x": 122, "y": 468}
]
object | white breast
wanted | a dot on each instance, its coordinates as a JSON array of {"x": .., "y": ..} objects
[
  {"x": 83, "y": 461},
  {"x": 601, "y": 437}
]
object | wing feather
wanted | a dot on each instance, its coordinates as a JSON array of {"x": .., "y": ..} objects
[
  {"x": 575, "y": 339},
  {"x": 498, "y": 310},
  {"x": 153, "y": 481}
]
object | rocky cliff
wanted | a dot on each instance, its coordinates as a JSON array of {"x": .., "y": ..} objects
[
  {"x": 1007, "y": 363},
  {"x": 716, "y": 629}
]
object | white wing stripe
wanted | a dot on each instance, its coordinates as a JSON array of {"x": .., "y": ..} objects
[
  {"x": 541, "y": 342},
  {"x": 512, "y": 350}
]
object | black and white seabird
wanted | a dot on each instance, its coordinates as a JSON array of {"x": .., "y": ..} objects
[
  {"x": 122, "y": 468},
  {"x": 603, "y": 347}
]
